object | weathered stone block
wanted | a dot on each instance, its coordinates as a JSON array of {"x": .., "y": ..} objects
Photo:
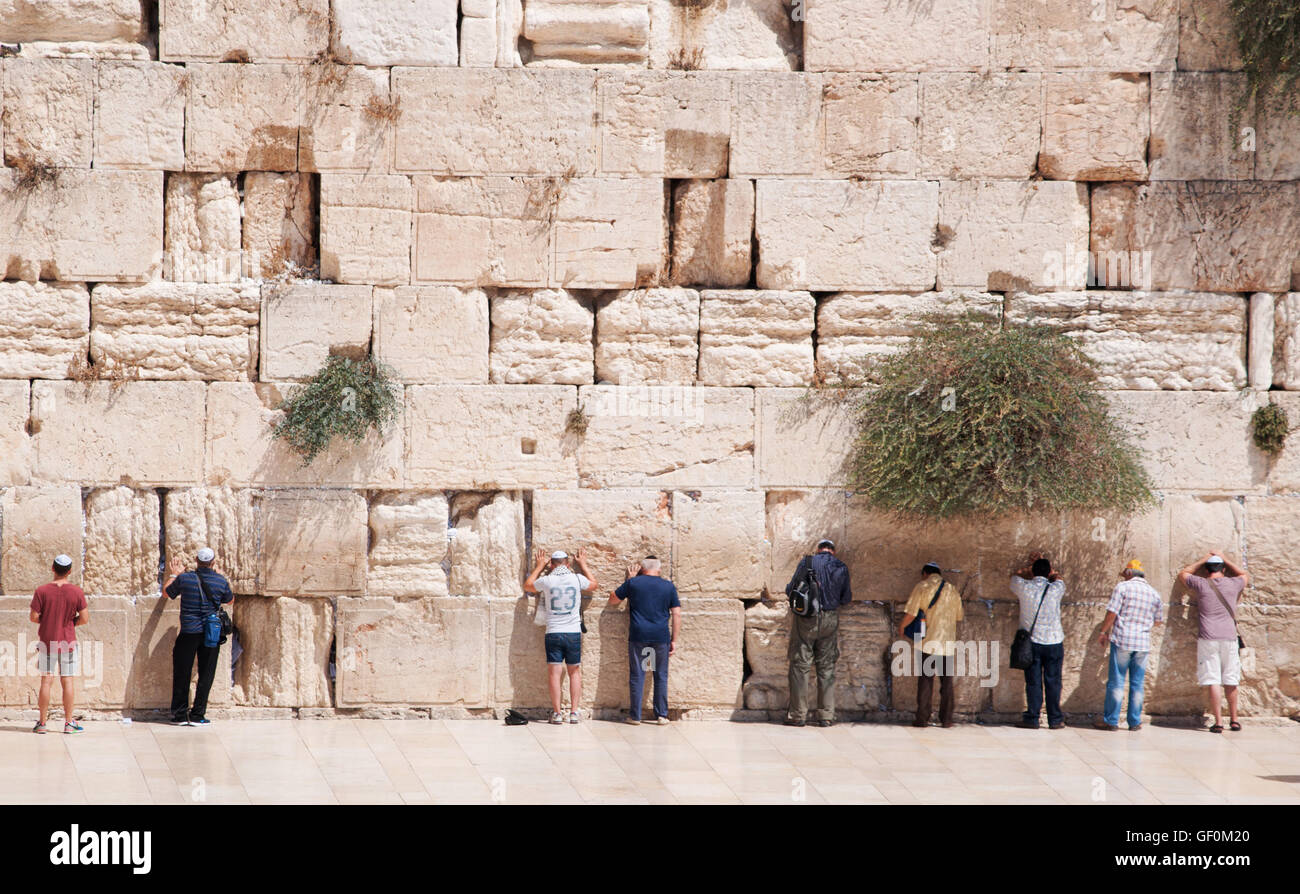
[
  {"x": 221, "y": 518},
  {"x": 202, "y": 228},
  {"x": 433, "y": 334},
  {"x": 616, "y": 527},
  {"x": 738, "y": 34},
  {"x": 1198, "y": 525},
  {"x": 140, "y": 116},
  {"x": 713, "y": 231},
  {"x": 697, "y": 116},
  {"x": 719, "y": 543},
  {"x": 365, "y": 228},
  {"x": 1206, "y": 40},
  {"x": 777, "y": 125},
  {"x": 408, "y": 543},
  {"x": 279, "y": 223},
  {"x": 348, "y": 119},
  {"x": 286, "y": 655},
  {"x": 22, "y": 21},
  {"x": 232, "y": 31},
  {"x": 15, "y": 443},
  {"x": 122, "y": 527},
  {"x": 48, "y": 109},
  {"x": 980, "y": 125},
  {"x": 156, "y": 622},
  {"x": 510, "y": 23},
  {"x": 105, "y": 642},
  {"x": 707, "y": 669},
  {"x": 1272, "y": 522},
  {"x": 519, "y": 657},
  {"x": 756, "y": 338},
  {"x": 794, "y": 424},
  {"x": 595, "y": 32},
  {"x": 165, "y": 330},
  {"x": 305, "y": 323},
  {"x": 1191, "y": 136},
  {"x": 478, "y": 35},
  {"x": 634, "y": 107},
  {"x": 484, "y": 231},
  {"x": 609, "y": 233},
  {"x": 487, "y": 546},
  {"x": 36, "y": 524},
  {"x": 1274, "y": 688},
  {"x": 1134, "y": 36},
  {"x": 840, "y": 35},
  {"x": 243, "y": 117},
  {"x": 372, "y": 32},
  {"x": 1260, "y": 340},
  {"x": 796, "y": 521},
  {"x": 44, "y": 328},
  {"x": 828, "y": 235},
  {"x": 1278, "y": 139},
  {"x": 1095, "y": 126},
  {"x": 872, "y": 124},
  {"x": 1286, "y": 341},
  {"x": 649, "y": 336},
  {"x": 313, "y": 543},
  {"x": 541, "y": 337}
]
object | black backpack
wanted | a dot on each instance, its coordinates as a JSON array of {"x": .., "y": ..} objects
[{"x": 806, "y": 596}]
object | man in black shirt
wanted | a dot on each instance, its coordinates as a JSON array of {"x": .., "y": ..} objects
[
  {"x": 202, "y": 592},
  {"x": 815, "y": 639}
]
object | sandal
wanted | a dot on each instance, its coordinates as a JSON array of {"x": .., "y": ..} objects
[
  {"x": 1235, "y": 726},
  {"x": 1217, "y": 728}
]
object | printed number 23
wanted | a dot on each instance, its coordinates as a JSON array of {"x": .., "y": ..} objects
[{"x": 572, "y": 594}]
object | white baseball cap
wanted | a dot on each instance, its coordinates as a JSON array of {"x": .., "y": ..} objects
[
  {"x": 206, "y": 555},
  {"x": 559, "y": 554},
  {"x": 63, "y": 560}
]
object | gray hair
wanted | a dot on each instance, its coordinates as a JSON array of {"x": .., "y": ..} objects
[{"x": 650, "y": 564}]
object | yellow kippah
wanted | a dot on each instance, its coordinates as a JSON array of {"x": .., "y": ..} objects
[{"x": 1133, "y": 565}]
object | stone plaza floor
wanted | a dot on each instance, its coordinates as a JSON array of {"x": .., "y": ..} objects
[{"x": 350, "y": 761}]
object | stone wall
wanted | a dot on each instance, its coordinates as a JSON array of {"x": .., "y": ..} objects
[{"x": 677, "y": 216}]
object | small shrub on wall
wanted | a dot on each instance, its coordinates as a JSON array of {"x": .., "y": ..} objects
[
  {"x": 976, "y": 418},
  {"x": 1268, "y": 36},
  {"x": 346, "y": 398},
  {"x": 1269, "y": 428}
]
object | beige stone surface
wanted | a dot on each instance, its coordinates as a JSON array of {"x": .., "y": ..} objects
[
  {"x": 757, "y": 338},
  {"x": 829, "y": 235},
  {"x": 541, "y": 337},
  {"x": 313, "y": 543},
  {"x": 229, "y": 30},
  {"x": 105, "y": 642},
  {"x": 408, "y": 544},
  {"x": 121, "y": 541},
  {"x": 1277, "y": 138},
  {"x": 22, "y": 21},
  {"x": 616, "y": 527},
  {"x": 37, "y": 524},
  {"x": 304, "y": 324},
  {"x": 713, "y": 230},
  {"x": 48, "y": 111},
  {"x": 432, "y": 334},
  {"x": 107, "y": 433},
  {"x": 777, "y": 125},
  {"x": 1274, "y": 688},
  {"x": 1149, "y": 340},
  {"x": 1096, "y": 126},
  {"x": 673, "y": 124},
  {"x": 595, "y": 32},
  {"x": 487, "y": 547},
  {"x": 155, "y": 623},
  {"x": 1271, "y": 557},
  {"x": 872, "y": 124},
  {"x": 510, "y": 22},
  {"x": 365, "y": 228},
  {"x": 140, "y": 116},
  {"x": 1222, "y": 237},
  {"x": 649, "y": 336},
  {"x": 840, "y": 35},
  {"x": 857, "y": 329},
  {"x": 719, "y": 542},
  {"x": 795, "y": 521},
  {"x": 795, "y": 424},
  {"x": 476, "y": 437},
  {"x": 1136, "y": 35},
  {"x": 1286, "y": 340},
  {"x": 708, "y": 665},
  {"x": 243, "y": 117},
  {"x": 373, "y": 32},
  {"x": 1191, "y": 136},
  {"x": 980, "y": 125},
  {"x": 44, "y": 328},
  {"x": 85, "y": 225},
  {"x": 202, "y": 228},
  {"x": 348, "y": 119},
  {"x": 279, "y": 223},
  {"x": 478, "y": 35},
  {"x": 117, "y": 50},
  {"x": 738, "y": 34},
  {"x": 693, "y": 437},
  {"x": 241, "y": 451},
  {"x": 480, "y": 121},
  {"x": 609, "y": 233},
  {"x": 421, "y": 652},
  {"x": 1002, "y": 234},
  {"x": 225, "y": 520},
  {"x": 484, "y": 231},
  {"x": 15, "y": 443},
  {"x": 166, "y": 330},
  {"x": 286, "y": 655},
  {"x": 1206, "y": 40},
  {"x": 1261, "y": 315}
]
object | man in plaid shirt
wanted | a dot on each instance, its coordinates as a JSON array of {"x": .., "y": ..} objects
[{"x": 1134, "y": 608}]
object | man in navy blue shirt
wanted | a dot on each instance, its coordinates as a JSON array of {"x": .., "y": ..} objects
[
  {"x": 816, "y": 639},
  {"x": 202, "y": 592},
  {"x": 652, "y": 604}
]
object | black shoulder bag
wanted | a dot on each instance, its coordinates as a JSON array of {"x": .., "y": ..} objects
[
  {"x": 806, "y": 597},
  {"x": 1022, "y": 648},
  {"x": 917, "y": 627},
  {"x": 220, "y": 613}
]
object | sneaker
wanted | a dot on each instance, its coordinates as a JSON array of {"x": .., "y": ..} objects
[
  {"x": 201, "y": 721},
  {"x": 662, "y": 721},
  {"x": 72, "y": 726},
  {"x": 39, "y": 727},
  {"x": 634, "y": 721},
  {"x": 573, "y": 717},
  {"x": 180, "y": 721},
  {"x": 557, "y": 717}
]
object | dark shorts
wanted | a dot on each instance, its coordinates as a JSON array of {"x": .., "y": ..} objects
[{"x": 564, "y": 648}]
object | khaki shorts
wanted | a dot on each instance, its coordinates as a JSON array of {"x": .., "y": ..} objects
[
  {"x": 1217, "y": 662},
  {"x": 65, "y": 664}
]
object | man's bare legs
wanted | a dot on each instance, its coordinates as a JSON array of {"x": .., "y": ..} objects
[
  {"x": 1232, "y": 702},
  {"x": 555, "y": 678},
  {"x": 43, "y": 699},
  {"x": 575, "y": 687},
  {"x": 1216, "y": 702}
]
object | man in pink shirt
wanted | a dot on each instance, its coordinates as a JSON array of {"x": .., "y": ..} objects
[{"x": 59, "y": 607}]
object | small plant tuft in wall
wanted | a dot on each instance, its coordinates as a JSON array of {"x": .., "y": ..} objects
[
  {"x": 1269, "y": 428},
  {"x": 347, "y": 398},
  {"x": 1268, "y": 36}
]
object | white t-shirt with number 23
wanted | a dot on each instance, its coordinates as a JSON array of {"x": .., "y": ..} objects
[{"x": 562, "y": 590}]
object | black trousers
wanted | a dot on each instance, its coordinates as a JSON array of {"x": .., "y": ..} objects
[
  {"x": 944, "y": 669},
  {"x": 188, "y": 646}
]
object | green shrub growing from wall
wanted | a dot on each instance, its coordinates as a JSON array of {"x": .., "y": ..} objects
[
  {"x": 976, "y": 418},
  {"x": 1269, "y": 428},
  {"x": 1268, "y": 36},
  {"x": 347, "y": 398}
]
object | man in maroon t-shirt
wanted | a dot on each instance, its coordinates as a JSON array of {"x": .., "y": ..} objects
[{"x": 59, "y": 607}]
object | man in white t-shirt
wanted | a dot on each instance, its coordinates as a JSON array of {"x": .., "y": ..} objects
[{"x": 561, "y": 590}]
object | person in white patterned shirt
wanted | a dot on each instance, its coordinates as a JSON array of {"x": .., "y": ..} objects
[
  {"x": 1040, "y": 591},
  {"x": 1134, "y": 608}
]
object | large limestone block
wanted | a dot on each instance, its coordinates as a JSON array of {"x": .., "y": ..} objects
[
  {"x": 795, "y": 424},
  {"x": 609, "y": 233},
  {"x": 15, "y": 442},
  {"x": 85, "y": 225},
  {"x": 286, "y": 655},
  {"x": 1286, "y": 341},
  {"x": 674, "y": 124},
  {"x": 223, "y": 519},
  {"x": 777, "y": 125},
  {"x": 650, "y": 336},
  {"x": 122, "y": 527},
  {"x": 365, "y": 228},
  {"x": 106, "y": 433},
  {"x": 487, "y": 547},
  {"x": 480, "y": 437},
  {"x": 234, "y": 31},
  {"x": 105, "y": 643},
  {"x": 633, "y": 109},
  {"x": 667, "y": 437},
  {"x": 48, "y": 111},
  {"x": 519, "y": 657},
  {"x": 1190, "y": 134},
  {"x": 980, "y": 125},
  {"x": 1095, "y": 126},
  {"x": 1000, "y": 234},
  {"x": 735, "y": 34},
  {"x": 484, "y": 231},
  {"x": 36, "y": 524},
  {"x": 857, "y": 329},
  {"x": 713, "y": 233},
  {"x": 541, "y": 337},
  {"x": 796, "y": 520},
  {"x": 719, "y": 544},
  {"x": 202, "y": 228},
  {"x": 348, "y": 118},
  {"x": 413, "y": 32},
  {"x": 872, "y": 124},
  {"x": 22, "y": 21},
  {"x": 828, "y": 235},
  {"x": 313, "y": 543},
  {"x": 588, "y": 32},
  {"x": 165, "y": 330},
  {"x": 305, "y": 323},
  {"x": 842, "y": 35},
  {"x": 1175, "y": 341},
  {"x": 487, "y": 121},
  {"x": 1278, "y": 141},
  {"x": 1261, "y": 313},
  {"x": 756, "y": 338},
  {"x": 708, "y": 667},
  {"x": 510, "y": 22},
  {"x": 419, "y": 652},
  {"x": 241, "y": 450},
  {"x": 616, "y": 527},
  {"x": 243, "y": 117},
  {"x": 154, "y": 627},
  {"x": 1221, "y": 237},
  {"x": 44, "y": 328},
  {"x": 1206, "y": 38},
  {"x": 279, "y": 223},
  {"x": 1198, "y": 525},
  {"x": 1270, "y": 532},
  {"x": 432, "y": 334},
  {"x": 1274, "y": 688},
  {"x": 408, "y": 543},
  {"x": 1135, "y": 35},
  {"x": 478, "y": 35},
  {"x": 140, "y": 116}
]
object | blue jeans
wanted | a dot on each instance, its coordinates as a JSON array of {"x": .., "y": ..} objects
[
  {"x": 640, "y": 658},
  {"x": 1133, "y": 665},
  {"x": 1044, "y": 674}
]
